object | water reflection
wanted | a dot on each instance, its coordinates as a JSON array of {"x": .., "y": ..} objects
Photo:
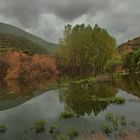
[
  {"x": 81, "y": 100},
  {"x": 15, "y": 93},
  {"x": 87, "y": 100},
  {"x": 84, "y": 101},
  {"x": 130, "y": 85}
]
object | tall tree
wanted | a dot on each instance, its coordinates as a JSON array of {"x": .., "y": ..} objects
[{"x": 84, "y": 50}]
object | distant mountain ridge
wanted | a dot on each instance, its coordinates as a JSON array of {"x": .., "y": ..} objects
[
  {"x": 17, "y": 32},
  {"x": 130, "y": 45}
]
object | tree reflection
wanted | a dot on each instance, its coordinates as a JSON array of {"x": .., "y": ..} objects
[
  {"x": 24, "y": 89},
  {"x": 87, "y": 100},
  {"x": 132, "y": 87},
  {"x": 15, "y": 93}
]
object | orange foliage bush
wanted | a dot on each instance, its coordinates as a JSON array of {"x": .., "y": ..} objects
[
  {"x": 4, "y": 65},
  {"x": 25, "y": 68},
  {"x": 42, "y": 67}
]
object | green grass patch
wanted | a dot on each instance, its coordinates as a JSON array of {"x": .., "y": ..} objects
[
  {"x": 62, "y": 137},
  {"x": 106, "y": 128},
  {"x": 113, "y": 123},
  {"x": 117, "y": 100},
  {"x": 3, "y": 128},
  {"x": 39, "y": 126},
  {"x": 54, "y": 129},
  {"x": 73, "y": 132},
  {"x": 114, "y": 100},
  {"x": 87, "y": 82},
  {"x": 67, "y": 114}
]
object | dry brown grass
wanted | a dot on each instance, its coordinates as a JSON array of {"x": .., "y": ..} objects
[
  {"x": 130, "y": 136},
  {"x": 98, "y": 136}
]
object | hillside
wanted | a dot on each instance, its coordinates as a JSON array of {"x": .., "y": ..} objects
[
  {"x": 130, "y": 45},
  {"x": 20, "y": 43},
  {"x": 10, "y": 29}
]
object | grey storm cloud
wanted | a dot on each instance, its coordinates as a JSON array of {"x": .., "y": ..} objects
[
  {"x": 46, "y": 18},
  {"x": 25, "y": 11},
  {"x": 71, "y": 9},
  {"x": 28, "y": 11}
]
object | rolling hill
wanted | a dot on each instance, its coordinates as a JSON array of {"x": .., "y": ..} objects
[
  {"x": 10, "y": 41},
  {"x": 22, "y": 36},
  {"x": 130, "y": 45}
]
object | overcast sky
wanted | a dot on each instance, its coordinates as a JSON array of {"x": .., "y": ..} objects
[{"x": 47, "y": 18}]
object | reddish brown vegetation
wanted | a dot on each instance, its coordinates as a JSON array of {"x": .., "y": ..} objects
[
  {"x": 17, "y": 66},
  {"x": 125, "y": 136},
  {"x": 98, "y": 136},
  {"x": 130, "y": 136},
  {"x": 4, "y": 65}
]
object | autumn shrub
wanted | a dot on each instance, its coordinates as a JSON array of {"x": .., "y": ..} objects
[
  {"x": 27, "y": 68},
  {"x": 4, "y": 65}
]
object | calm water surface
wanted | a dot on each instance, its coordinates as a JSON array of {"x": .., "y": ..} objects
[{"x": 21, "y": 112}]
